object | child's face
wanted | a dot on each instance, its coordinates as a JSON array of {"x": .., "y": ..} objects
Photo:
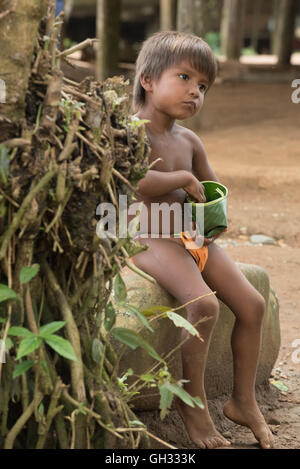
[{"x": 179, "y": 92}]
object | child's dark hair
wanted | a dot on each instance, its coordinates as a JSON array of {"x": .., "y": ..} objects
[{"x": 167, "y": 48}]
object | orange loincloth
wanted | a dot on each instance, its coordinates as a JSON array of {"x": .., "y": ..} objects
[{"x": 200, "y": 254}]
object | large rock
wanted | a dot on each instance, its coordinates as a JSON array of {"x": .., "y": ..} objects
[{"x": 218, "y": 379}]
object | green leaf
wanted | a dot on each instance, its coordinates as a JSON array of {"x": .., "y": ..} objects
[
  {"x": 7, "y": 293},
  {"x": 154, "y": 310},
  {"x": 198, "y": 402},
  {"x": 129, "y": 372},
  {"x": 97, "y": 350},
  {"x": 28, "y": 345},
  {"x": 166, "y": 398},
  {"x": 133, "y": 340},
  {"x": 132, "y": 309},
  {"x": 61, "y": 346},
  {"x": 179, "y": 321},
  {"x": 147, "y": 378},
  {"x": 28, "y": 273},
  {"x": 22, "y": 368},
  {"x": 8, "y": 344},
  {"x": 110, "y": 316},
  {"x": 279, "y": 385},
  {"x": 48, "y": 329},
  {"x": 2, "y": 320},
  {"x": 20, "y": 332},
  {"x": 120, "y": 292},
  {"x": 136, "y": 423},
  {"x": 181, "y": 393}
]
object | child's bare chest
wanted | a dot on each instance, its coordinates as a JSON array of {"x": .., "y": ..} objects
[{"x": 175, "y": 153}]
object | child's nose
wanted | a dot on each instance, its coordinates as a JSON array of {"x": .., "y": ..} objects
[{"x": 194, "y": 90}]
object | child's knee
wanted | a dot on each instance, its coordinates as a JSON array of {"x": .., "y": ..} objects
[
  {"x": 259, "y": 307},
  {"x": 206, "y": 307},
  {"x": 255, "y": 310}
]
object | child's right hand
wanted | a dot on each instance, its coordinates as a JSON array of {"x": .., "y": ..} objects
[{"x": 195, "y": 189}]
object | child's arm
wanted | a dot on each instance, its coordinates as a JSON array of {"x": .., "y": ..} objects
[
  {"x": 157, "y": 183},
  {"x": 201, "y": 166}
]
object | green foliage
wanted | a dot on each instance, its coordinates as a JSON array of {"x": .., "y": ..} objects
[
  {"x": 28, "y": 345},
  {"x": 7, "y": 293},
  {"x": 133, "y": 340},
  {"x": 22, "y": 368},
  {"x": 32, "y": 341},
  {"x": 68, "y": 43},
  {"x": 135, "y": 122},
  {"x": 4, "y": 163},
  {"x": 109, "y": 317},
  {"x": 133, "y": 310},
  {"x": 97, "y": 350},
  {"x": 179, "y": 321},
  {"x": 69, "y": 109},
  {"x": 28, "y": 273},
  {"x": 62, "y": 346},
  {"x": 120, "y": 292},
  {"x": 248, "y": 51},
  {"x": 213, "y": 39},
  {"x": 50, "y": 328}
]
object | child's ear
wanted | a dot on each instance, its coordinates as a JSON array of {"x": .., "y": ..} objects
[{"x": 146, "y": 82}]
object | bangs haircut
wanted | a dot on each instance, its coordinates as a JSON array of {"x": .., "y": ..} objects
[{"x": 166, "y": 49}]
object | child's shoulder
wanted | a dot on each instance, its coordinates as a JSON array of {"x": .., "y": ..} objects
[{"x": 191, "y": 136}]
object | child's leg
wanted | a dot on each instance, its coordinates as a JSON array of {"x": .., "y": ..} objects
[
  {"x": 175, "y": 270},
  {"x": 232, "y": 287}
]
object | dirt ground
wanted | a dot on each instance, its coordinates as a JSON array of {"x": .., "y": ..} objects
[{"x": 251, "y": 135}]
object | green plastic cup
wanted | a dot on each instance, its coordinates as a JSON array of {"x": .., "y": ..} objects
[{"x": 215, "y": 208}]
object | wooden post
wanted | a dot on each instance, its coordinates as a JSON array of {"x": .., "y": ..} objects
[
  {"x": 190, "y": 16},
  {"x": 108, "y": 33},
  {"x": 232, "y": 28},
  {"x": 190, "y": 20},
  {"x": 167, "y": 15},
  {"x": 257, "y": 4},
  {"x": 284, "y": 30}
]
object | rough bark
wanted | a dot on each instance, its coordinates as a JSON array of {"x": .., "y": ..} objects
[
  {"x": 18, "y": 31},
  {"x": 108, "y": 33}
]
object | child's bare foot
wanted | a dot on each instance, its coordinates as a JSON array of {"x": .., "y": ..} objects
[
  {"x": 249, "y": 415},
  {"x": 199, "y": 426}
]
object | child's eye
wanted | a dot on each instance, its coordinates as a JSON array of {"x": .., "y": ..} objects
[
  {"x": 202, "y": 88},
  {"x": 184, "y": 76}
]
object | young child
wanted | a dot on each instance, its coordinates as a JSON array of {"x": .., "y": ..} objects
[{"x": 173, "y": 73}]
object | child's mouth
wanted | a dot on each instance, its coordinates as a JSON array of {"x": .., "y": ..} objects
[{"x": 190, "y": 104}]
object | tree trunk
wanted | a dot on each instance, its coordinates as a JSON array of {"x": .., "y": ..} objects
[
  {"x": 232, "y": 28},
  {"x": 18, "y": 32},
  {"x": 284, "y": 31},
  {"x": 167, "y": 15},
  {"x": 257, "y": 4},
  {"x": 108, "y": 33},
  {"x": 190, "y": 18}
]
